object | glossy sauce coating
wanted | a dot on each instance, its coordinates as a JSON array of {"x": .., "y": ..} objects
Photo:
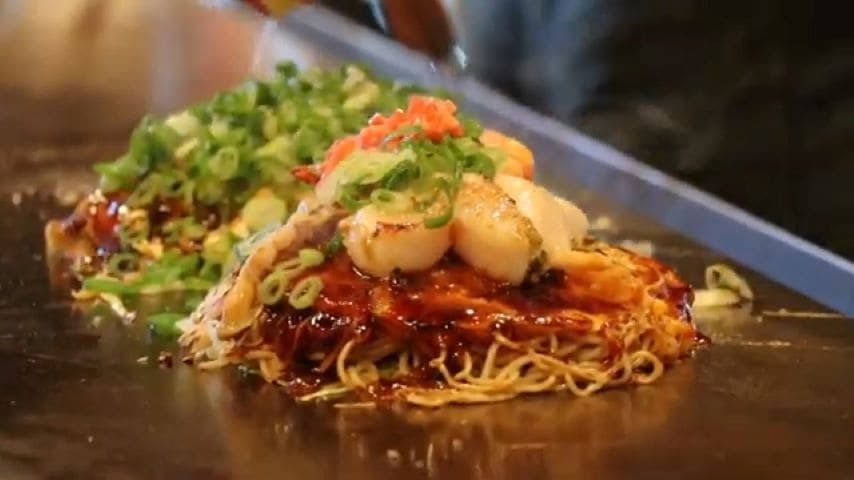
[{"x": 450, "y": 307}]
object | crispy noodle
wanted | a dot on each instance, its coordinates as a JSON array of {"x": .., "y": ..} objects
[{"x": 629, "y": 344}]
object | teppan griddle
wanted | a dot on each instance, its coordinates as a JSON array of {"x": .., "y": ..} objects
[{"x": 770, "y": 398}]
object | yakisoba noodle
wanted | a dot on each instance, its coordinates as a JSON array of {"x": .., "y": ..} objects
[
  {"x": 623, "y": 344},
  {"x": 428, "y": 269}
]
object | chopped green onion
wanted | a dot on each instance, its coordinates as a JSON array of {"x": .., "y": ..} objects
[
  {"x": 310, "y": 257},
  {"x": 217, "y": 246},
  {"x": 400, "y": 132},
  {"x": 287, "y": 116},
  {"x": 305, "y": 292},
  {"x": 349, "y": 197},
  {"x": 187, "y": 264},
  {"x": 715, "y": 297},
  {"x": 312, "y": 77},
  {"x": 121, "y": 263},
  {"x": 184, "y": 150},
  {"x": 471, "y": 127},
  {"x": 307, "y": 141},
  {"x": 439, "y": 220},
  {"x": 248, "y": 94},
  {"x": 144, "y": 148},
  {"x": 722, "y": 276},
  {"x": 167, "y": 270},
  {"x": 287, "y": 70},
  {"x": 219, "y": 128},
  {"x": 361, "y": 167},
  {"x": 391, "y": 201},
  {"x": 192, "y": 301},
  {"x": 212, "y": 271},
  {"x": 119, "y": 174},
  {"x": 364, "y": 95},
  {"x": 189, "y": 190},
  {"x": 198, "y": 284},
  {"x": 146, "y": 192},
  {"x": 449, "y": 188},
  {"x": 292, "y": 264},
  {"x": 130, "y": 234},
  {"x": 225, "y": 163},
  {"x": 273, "y": 287},
  {"x": 184, "y": 229},
  {"x": 167, "y": 138},
  {"x": 157, "y": 277},
  {"x": 481, "y": 164},
  {"x": 165, "y": 324},
  {"x": 183, "y": 123},
  {"x": 280, "y": 149},
  {"x": 172, "y": 186},
  {"x": 353, "y": 76},
  {"x": 105, "y": 284},
  {"x": 209, "y": 190},
  {"x": 235, "y": 136},
  {"x": 401, "y": 176},
  {"x": 270, "y": 127},
  {"x": 262, "y": 211}
]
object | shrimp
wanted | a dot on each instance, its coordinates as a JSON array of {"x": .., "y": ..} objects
[
  {"x": 557, "y": 221},
  {"x": 491, "y": 233},
  {"x": 519, "y": 161},
  {"x": 380, "y": 242}
]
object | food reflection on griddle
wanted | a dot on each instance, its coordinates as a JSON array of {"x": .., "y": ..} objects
[{"x": 530, "y": 438}]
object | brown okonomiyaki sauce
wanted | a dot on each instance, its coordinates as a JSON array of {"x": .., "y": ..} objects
[{"x": 451, "y": 307}]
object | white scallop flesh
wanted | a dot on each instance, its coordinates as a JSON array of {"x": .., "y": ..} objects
[
  {"x": 490, "y": 233},
  {"x": 559, "y": 222},
  {"x": 379, "y": 242}
]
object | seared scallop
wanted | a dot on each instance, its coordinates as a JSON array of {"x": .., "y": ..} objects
[
  {"x": 557, "y": 221},
  {"x": 490, "y": 232},
  {"x": 379, "y": 242}
]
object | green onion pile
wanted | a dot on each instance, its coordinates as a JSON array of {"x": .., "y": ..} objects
[{"x": 197, "y": 183}]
